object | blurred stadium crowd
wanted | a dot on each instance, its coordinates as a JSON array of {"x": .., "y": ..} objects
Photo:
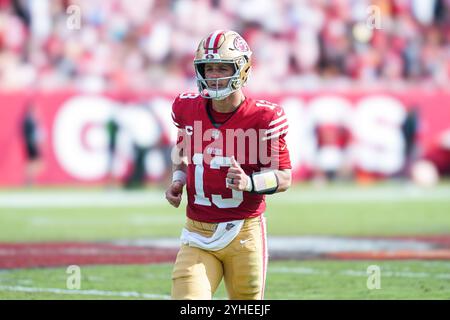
[{"x": 299, "y": 45}]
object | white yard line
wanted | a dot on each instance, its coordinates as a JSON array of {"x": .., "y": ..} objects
[
  {"x": 120, "y": 198},
  {"x": 357, "y": 273},
  {"x": 131, "y": 219},
  {"x": 364, "y": 194},
  {"x": 123, "y": 294},
  {"x": 73, "y": 199},
  {"x": 282, "y": 270},
  {"x": 305, "y": 244}
]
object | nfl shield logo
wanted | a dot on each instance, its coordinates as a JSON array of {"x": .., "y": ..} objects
[{"x": 229, "y": 226}]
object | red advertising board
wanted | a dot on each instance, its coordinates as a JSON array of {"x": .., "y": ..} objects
[{"x": 73, "y": 139}]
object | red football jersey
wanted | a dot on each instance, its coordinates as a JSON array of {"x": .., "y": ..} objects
[{"x": 254, "y": 134}]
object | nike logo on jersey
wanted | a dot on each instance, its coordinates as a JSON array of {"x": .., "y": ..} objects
[
  {"x": 279, "y": 113},
  {"x": 244, "y": 241}
]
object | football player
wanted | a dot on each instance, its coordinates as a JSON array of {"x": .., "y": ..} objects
[{"x": 230, "y": 153}]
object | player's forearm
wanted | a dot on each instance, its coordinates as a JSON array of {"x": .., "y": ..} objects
[
  {"x": 284, "y": 179},
  {"x": 179, "y": 165}
]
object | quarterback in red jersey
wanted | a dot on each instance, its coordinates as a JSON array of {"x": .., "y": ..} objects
[{"x": 231, "y": 152}]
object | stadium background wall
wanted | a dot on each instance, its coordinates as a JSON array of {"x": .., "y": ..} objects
[{"x": 73, "y": 139}]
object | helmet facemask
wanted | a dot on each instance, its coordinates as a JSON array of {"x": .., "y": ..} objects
[{"x": 214, "y": 92}]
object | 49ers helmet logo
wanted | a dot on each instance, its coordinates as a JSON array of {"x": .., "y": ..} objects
[{"x": 240, "y": 44}]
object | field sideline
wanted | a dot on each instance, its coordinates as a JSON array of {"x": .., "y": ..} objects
[{"x": 332, "y": 213}]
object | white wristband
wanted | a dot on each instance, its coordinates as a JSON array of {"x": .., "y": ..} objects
[
  {"x": 179, "y": 175},
  {"x": 265, "y": 182},
  {"x": 249, "y": 186}
]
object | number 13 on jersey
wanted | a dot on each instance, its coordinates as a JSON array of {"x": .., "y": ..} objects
[{"x": 216, "y": 163}]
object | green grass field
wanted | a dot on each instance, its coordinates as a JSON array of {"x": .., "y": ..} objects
[
  {"x": 343, "y": 210},
  {"x": 304, "y": 210},
  {"x": 285, "y": 280}
]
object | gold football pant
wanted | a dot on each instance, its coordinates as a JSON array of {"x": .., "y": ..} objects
[{"x": 242, "y": 264}]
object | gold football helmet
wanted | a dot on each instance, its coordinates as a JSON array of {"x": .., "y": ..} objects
[{"x": 222, "y": 47}]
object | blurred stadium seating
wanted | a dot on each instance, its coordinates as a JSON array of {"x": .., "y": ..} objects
[
  {"x": 139, "y": 53},
  {"x": 298, "y": 45}
]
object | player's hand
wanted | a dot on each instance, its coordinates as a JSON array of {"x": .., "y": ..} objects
[
  {"x": 236, "y": 177},
  {"x": 174, "y": 192}
]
